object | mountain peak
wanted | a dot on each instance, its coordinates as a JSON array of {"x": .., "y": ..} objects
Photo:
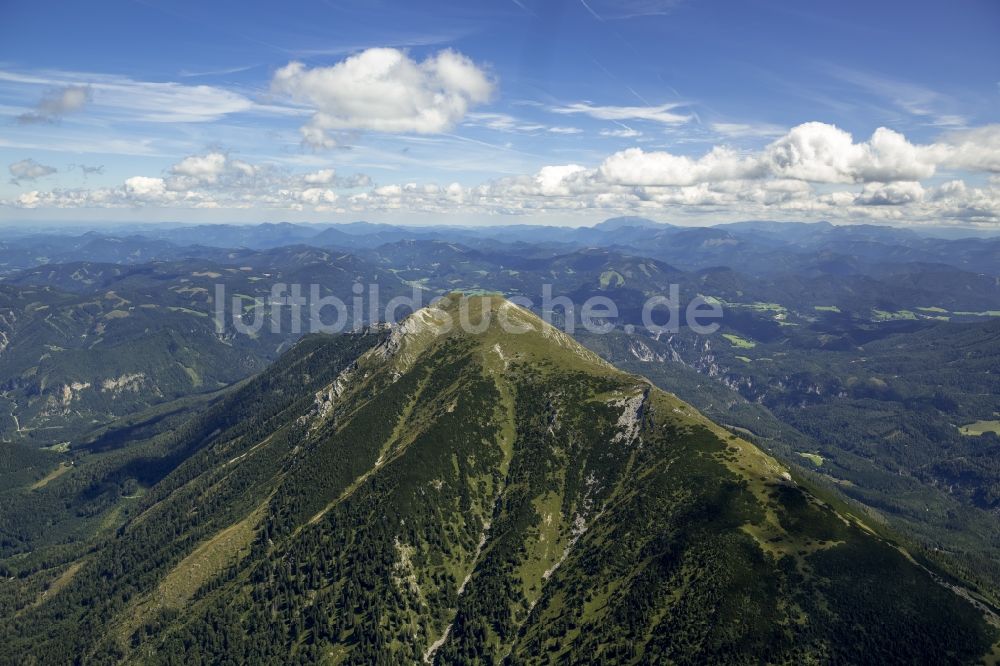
[
  {"x": 624, "y": 222},
  {"x": 493, "y": 324}
]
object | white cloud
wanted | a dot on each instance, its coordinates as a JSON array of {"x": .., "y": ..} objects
[
  {"x": 29, "y": 170},
  {"x": 321, "y": 177},
  {"x": 974, "y": 150},
  {"x": 172, "y": 102},
  {"x": 813, "y": 171},
  {"x": 29, "y": 199},
  {"x": 891, "y": 194},
  {"x": 388, "y": 191},
  {"x": 214, "y": 170},
  {"x": 145, "y": 101},
  {"x": 145, "y": 188},
  {"x": 888, "y": 156},
  {"x": 204, "y": 168},
  {"x": 315, "y": 136},
  {"x": 384, "y": 90},
  {"x": 552, "y": 180},
  {"x": 664, "y": 113},
  {"x": 636, "y": 167},
  {"x": 329, "y": 177},
  {"x": 317, "y": 196},
  {"x": 742, "y": 130},
  {"x": 623, "y": 133},
  {"x": 501, "y": 122},
  {"x": 827, "y": 154}
]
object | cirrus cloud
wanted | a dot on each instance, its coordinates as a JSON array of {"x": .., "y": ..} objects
[{"x": 664, "y": 113}]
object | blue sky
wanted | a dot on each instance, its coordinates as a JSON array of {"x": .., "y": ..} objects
[{"x": 508, "y": 111}]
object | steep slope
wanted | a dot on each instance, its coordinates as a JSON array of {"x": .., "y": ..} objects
[
  {"x": 461, "y": 497},
  {"x": 882, "y": 421}
]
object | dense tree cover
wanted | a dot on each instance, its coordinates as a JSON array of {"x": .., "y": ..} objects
[
  {"x": 115, "y": 569},
  {"x": 884, "y": 418}
]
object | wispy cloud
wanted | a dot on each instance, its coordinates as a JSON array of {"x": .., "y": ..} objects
[
  {"x": 930, "y": 106},
  {"x": 613, "y": 10},
  {"x": 129, "y": 99},
  {"x": 663, "y": 113},
  {"x": 747, "y": 130},
  {"x": 621, "y": 133},
  {"x": 91, "y": 145},
  {"x": 591, "y": 10},
  {"x": 501, "y": 122},
  {"x": 523, "y": 7},
  {"x": 190, "y": 74}
]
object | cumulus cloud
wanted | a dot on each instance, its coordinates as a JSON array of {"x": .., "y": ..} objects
[
  {"x": 317, "y": 196},
  {"x": 214, "y": 169},
  {"x": 812, "y": 152},
  {"x": 329, "y": 177},
  {"x": 56, "y": 103},
  {"x": 664, "y": 113},
  {"x": 145, "y": 188},
  {"x": 321, "y": 177},
  {"x": 891, "y": 194},
  {"x": 813, "y": 171},
  {"x": 214, "y": 179},
  {"x": 29, "y": 170},
  {"x": 827, "y": 154},
  {"x": 554, "y": 180},
  {"x": 636, "y": 167},
  {"x": 204, "y": 168},
  {"x": 974, "y": 150},
  {"x": 384, "y": 90}
]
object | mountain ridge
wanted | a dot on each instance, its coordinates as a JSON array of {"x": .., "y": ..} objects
[{"x": 435, "y": 494}]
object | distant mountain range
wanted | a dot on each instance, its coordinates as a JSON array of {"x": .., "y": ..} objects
[{"x": 763, "y": 248}]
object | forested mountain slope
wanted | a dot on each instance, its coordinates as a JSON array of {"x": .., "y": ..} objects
[{"x": 464, "y": 497}]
